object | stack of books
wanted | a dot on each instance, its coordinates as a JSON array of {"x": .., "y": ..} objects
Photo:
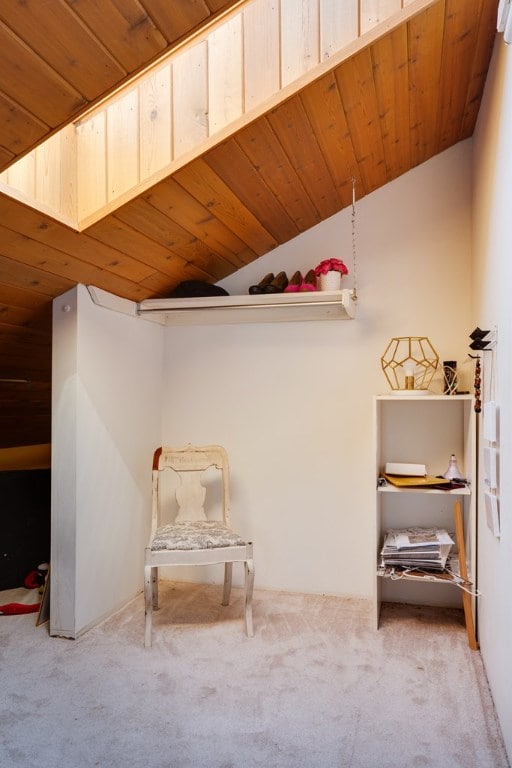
[{"x": 416, "y": 548}]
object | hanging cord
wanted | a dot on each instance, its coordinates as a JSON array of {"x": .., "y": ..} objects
[{"x": 354, "y": 259}]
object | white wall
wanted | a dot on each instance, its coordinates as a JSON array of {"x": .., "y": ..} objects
[
  {"x": 492, "y": 242},
  {"x": 105, "y": 427},
  {"x": 292, "y": 402}
]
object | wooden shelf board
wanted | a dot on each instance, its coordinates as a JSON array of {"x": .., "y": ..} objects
[{"x": 428, "y": 491}]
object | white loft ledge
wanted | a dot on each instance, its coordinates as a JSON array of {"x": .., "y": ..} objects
[{"x": 263, "y": 308}]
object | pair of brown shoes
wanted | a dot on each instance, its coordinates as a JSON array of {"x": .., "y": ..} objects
[{"x": 270, "y": 284}]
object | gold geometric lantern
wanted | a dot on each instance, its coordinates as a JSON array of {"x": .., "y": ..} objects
[{"x": 409, "y": 364}]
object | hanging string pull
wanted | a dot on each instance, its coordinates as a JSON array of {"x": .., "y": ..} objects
[{"x": 354, "y": 259}]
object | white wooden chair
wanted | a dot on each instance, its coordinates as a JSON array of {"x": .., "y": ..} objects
[{"x": 192, "y": 539}]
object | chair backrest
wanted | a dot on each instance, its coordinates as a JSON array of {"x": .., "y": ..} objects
[{"x": 190, "y": 462}]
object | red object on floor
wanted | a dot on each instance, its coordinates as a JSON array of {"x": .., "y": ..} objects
[{"x": 11, "y": 609}]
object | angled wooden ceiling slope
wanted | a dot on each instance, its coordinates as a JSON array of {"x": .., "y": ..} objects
[{"x": 406, "y": 97}]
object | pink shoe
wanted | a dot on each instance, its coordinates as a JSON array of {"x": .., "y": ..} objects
[
  {"x": 294, "y": 284},
  {"x": 309, "y": 282}
]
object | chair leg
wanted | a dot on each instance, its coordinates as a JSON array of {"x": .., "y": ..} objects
[
  {"x": 249, "y": 585},
  {"x": 148, "y": 605},
  {"x": 154, "y": 587},
  {"x": 228, "y": 576}
]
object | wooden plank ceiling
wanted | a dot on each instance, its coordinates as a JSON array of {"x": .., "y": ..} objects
[{"x": 403, "y": 99}]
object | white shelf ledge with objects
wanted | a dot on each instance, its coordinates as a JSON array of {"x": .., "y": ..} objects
[{"x": 259, "y": 308}]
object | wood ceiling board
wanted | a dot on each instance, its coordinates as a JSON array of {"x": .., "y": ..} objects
[
  {"x": 425, "y": 43},
  {"x": 58, "y": 263},
  {"x": 18, "y": 275},
  {"x": 324, "y": 109},
  {"x": 176, "y": 203},
  {"x": 115, "y": 232},
  {"x": 48, "y": 232},
  {"x": 358, "y": 95},
  {"x": 262, "y": 147},
  {"x": 20, "y": 129},
  {"x": 232, "y": 165},
  {"x": 124, "y": 28},
  {"x": 180, "y": 206},
  {"x": 32, "y": 83},
  {"x": 73, "y": 50},
  {"x": 391, "y": 76},
  {"x": 483, "y": 51},
  {"x": 11, "y": 315},
  {"x": 166, "y": 232},
  {"x": 455, "y": 77},
  {"x": 293, "y": 130},
  {"x": 22, "y": 299},
  {"x": 178, "y": 19},
  {"x": 201, "y": 182}
]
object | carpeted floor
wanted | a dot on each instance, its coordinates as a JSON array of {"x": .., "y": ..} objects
[{"x": 316, "y": 687}]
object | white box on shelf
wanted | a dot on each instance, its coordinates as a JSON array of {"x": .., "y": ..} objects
[{"x": 402, "y": 468}]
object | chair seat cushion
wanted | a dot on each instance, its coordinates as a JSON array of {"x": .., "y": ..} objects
[{"x": 195, "y": 535}]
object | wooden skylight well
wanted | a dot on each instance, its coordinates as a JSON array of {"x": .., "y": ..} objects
[{"x": 230, "y": 73}]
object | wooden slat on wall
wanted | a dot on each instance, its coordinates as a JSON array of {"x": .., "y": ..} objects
[
  {"x": 190, "y": 99},
  {"x": 123, "y": 141},
  {"x": 156, "y": 139},
  {"x": 300, "y": 38},
  {"x": 225, "y": 74},
  {"x": 261, "y": 52},
  {"x": 339, "y": 25},
  {"x": 373, "y": 12},
  {"x": 92, "y": 154}
]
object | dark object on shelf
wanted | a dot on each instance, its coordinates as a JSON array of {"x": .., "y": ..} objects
[
  {"x": 278, "y": 284},
  {"x": 450, "y": 376},
  {"x": 256, "y": 289},
  {"x": 190, "y": 289}
]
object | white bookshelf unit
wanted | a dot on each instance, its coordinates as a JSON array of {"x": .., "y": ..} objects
[{"x": 427, "y": 429}]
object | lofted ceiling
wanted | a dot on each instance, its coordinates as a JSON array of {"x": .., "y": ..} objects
[{"x": 404, "y": 98}]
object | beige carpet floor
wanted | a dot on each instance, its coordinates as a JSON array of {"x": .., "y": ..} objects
[{"x": 316, "y": 687}]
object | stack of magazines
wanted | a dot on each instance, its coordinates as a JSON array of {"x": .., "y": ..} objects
[{"x": 417, "y": 548}]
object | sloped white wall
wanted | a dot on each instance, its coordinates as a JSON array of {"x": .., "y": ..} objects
[
  {"x": 105, "y": 427},
  {"x": 292, "y": 402},
  {"x": 492, "y": 290}
]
